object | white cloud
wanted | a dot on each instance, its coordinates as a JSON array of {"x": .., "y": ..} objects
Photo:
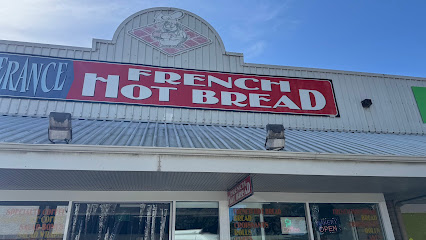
[
  {"x": 254, "y": 24},
  {"x": 64, "y": 22},
  {"x": 246, "y": 27},
  {"x": 253, "y": 19},
  {"x": 255, "y": 50}
]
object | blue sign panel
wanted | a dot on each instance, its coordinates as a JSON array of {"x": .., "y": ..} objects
[{"x": 35, "y": 76}]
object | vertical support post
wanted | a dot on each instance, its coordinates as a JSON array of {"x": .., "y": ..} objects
[
  {"x": 173, "y": 220},
  {"x": 224, "y": 223},
  {"x": 68, "y": 221},
  {"x": 400, "y": 220},
  {"x": 262, "y": 230},
  {"x": 387, "y": 225},
  {"x": 309, "y": 221}
]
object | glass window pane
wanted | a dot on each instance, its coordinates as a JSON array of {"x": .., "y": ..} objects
[
  {"x": 135, "y": 221},
  {"x": 334, "y": 221},
  {"x": 197, "y": 221},
  {"x": 268, "y": 221},
  {"x": 34, "y": 220}
]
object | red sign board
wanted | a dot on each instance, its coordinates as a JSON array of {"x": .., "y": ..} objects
[
  {"x": 241, "y": 191},
  {"x": 147, "y": 85}
]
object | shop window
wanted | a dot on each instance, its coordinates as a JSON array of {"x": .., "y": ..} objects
[
  {"x": 331, "y": 221},
  {"x": 415, "y": 225},
  {"x": 268, "y": 221},
  {"x": 120, "y": 221},
  {"x": 197, "y": 220},
  {"x": 32, "y": 220}
]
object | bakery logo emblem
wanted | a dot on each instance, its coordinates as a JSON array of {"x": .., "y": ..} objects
[{"x": 169, "y": 35}]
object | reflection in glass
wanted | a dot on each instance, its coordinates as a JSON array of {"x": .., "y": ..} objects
[
  {"x": 111, "y": 221},
  {"x": 332, "y": 221},
  {"x": 197, "y": 221},
  {"x": 34, "y": 220},
  {"x": 268, "y": 221}
]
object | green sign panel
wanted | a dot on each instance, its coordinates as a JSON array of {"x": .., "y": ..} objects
[{"x": 420, "y": 96}]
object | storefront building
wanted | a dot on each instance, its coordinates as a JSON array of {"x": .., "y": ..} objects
[{"x": 163, "y": 134}]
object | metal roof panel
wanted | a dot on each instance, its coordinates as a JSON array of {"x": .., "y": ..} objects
[{"x": 33, "y": 130}]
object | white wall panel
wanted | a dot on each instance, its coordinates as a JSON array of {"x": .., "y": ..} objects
[{"x": 394, "y": 108}]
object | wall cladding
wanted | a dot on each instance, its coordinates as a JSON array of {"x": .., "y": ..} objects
[{"x": 394, "y": 109}]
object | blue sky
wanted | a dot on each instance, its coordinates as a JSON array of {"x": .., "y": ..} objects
[{"x": 386, "y": 37}]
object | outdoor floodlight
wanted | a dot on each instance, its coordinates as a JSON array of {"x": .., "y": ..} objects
[
  {"x": 60, "y": 127},
  {"x": 274, "y": 137}
]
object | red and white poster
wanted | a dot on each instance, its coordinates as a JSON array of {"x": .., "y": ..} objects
[
  {"x": 92, "y": 81},
  {"x": 241, "y": 191}
]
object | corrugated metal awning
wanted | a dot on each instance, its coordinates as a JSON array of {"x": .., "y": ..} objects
[{"x": 33, "y": 130}]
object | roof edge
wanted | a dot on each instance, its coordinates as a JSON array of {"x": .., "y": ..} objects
[
  {"x": 170, "y": 151},
  {"x": 335, "y": 71},
  {"x": 295, "y": 68}
]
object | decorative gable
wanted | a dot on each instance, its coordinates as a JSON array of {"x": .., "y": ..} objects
[{"x": 169, "y": 35}]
